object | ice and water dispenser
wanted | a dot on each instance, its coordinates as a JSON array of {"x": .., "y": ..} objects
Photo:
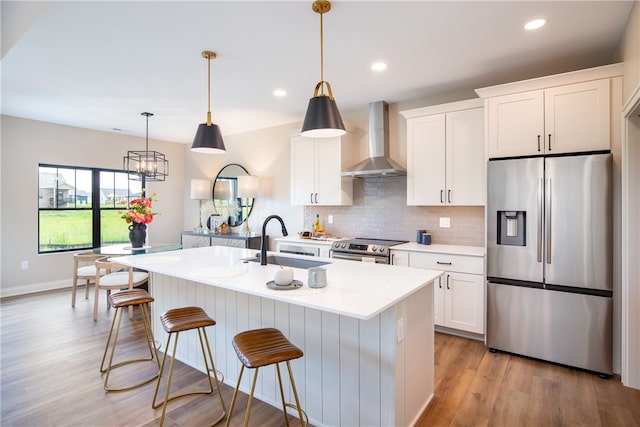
[{"x": 511, "y": 228}]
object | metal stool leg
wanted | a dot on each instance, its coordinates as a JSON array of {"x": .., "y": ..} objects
[
  {"x": 284, "y": 404},
  {"x": 167, "y": 398},
  {"x": 295, "y": 395},
  {"x": 253, "y": 387},
  {"x": 235, "y": 394},
  {"x": 150, "y": 341}
]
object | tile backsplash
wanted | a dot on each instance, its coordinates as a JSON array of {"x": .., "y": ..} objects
[{"x": 380, "y": 211}]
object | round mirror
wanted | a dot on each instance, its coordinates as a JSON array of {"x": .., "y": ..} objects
[{"x": 234, "y": 192}]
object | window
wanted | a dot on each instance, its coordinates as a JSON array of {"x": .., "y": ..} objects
[{"x": 79, "y": 208}]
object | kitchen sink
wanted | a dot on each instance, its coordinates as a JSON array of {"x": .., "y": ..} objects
[{"x": 289, "y": 262}]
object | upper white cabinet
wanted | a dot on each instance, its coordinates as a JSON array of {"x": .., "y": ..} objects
[
  {"x": 577, "y": 117},
  {"x": 446, "y": 155},
  {"x": 316, "y": 164},
  {"x": 563, "y": 119},
  {"x": 563, "y": 113}
]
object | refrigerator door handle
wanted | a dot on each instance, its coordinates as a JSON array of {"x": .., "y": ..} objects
[
  {"x": 540, "y": 216},
  {"x": 547, "y": 219}
]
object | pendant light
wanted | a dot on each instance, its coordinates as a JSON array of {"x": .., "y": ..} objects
[
  {"x": 208, "y": 137},
  {"x": 323, "y": 119},
  {"x": 151, "y": 164}
]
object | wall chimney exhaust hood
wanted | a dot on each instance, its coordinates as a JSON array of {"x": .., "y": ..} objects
[{"x": 378, "y": 164}]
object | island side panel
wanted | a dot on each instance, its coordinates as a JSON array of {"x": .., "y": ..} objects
[
  {"x": 418, "y": 354},
  {"x": 351, "y": 369},
  {"x": 331, "y": 376}
]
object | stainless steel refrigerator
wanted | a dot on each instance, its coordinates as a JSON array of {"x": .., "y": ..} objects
[{"x": 549, "y": 259}]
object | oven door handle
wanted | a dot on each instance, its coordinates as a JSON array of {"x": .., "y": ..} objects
[{"x": 354, "y": 257}]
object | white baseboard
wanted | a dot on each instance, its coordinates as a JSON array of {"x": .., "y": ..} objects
[{"x": 34, "y": 288}]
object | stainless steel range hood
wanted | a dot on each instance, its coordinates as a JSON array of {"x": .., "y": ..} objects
[{"x": 378, "y": 163}]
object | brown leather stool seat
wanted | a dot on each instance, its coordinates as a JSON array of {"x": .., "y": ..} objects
[
  {"x": 262, "y": 347},
  {"x": 121, "y": 300},
  {"x": 178, "y": 320}
]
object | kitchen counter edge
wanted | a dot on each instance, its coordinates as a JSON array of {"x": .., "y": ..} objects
[{"x": 478, "y": 251}]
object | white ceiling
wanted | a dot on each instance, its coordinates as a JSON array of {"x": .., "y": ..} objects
[{"x": 98, "y": 65}]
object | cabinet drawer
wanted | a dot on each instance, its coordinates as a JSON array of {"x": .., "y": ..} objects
[{"x": 448, "y": 262}]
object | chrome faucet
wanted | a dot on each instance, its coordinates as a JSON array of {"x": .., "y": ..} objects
[{"x": 263, "y": 246}]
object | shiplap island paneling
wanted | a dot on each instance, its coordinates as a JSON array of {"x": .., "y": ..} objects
[{"x": 367, "y": 337}]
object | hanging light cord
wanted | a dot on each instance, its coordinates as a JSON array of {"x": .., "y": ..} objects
[
  {"x": 208, "y": 55},
  {"x": 146, "y": 149},
  {"x": 321, "y": 7},
  {"x": 321, "y": 55},
  {"x": 209, "y": 91}
]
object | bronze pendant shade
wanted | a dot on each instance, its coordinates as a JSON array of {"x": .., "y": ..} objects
[
  {"x": 322, "y": 119},
  {"x": 151, "y": 164},
  {"x": 208, "y": 137}
]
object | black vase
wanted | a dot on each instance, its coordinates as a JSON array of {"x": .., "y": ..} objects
[{"x": 137, "y": 234}]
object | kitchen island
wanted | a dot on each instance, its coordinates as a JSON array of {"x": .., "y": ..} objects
[{"x": 367, "y": 336}]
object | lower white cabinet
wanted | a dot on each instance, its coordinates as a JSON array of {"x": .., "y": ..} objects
[{"x": 459, "y": 300}]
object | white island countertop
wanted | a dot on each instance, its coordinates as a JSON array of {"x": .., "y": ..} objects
[{"x": 354, "y": 289}]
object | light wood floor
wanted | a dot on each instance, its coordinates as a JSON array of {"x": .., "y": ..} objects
[{"x": 50, "y": 355}]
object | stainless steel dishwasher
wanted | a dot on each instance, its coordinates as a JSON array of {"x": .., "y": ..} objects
[{"x": 298, "y": 249}]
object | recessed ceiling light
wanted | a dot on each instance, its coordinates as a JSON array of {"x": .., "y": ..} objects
[
  {"x": 535, "y": 24},
  {"x": 379, "y": 66},
  {"x": 280, "y": 93}
]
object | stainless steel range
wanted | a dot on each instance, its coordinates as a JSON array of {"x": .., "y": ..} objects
[{"x": 361, "y": 249}]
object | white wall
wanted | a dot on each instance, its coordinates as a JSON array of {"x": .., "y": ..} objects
[
  {"x": 265, "y": 154},
  {"x": 25, "y": 144}
]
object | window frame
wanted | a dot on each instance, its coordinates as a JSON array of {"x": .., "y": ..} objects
[{"x": 96, "y": 208}]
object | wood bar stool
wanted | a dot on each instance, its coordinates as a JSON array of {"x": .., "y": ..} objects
[
  {"x": 120, "y": 301},
  {"x": 261, "y": 347},
  {"x": 177, "y": 320}
]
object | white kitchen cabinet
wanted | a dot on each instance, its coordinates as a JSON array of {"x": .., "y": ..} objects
[
  {"x": 446, "y": 155},
  {"x": 562, "y": 119},
  {"x": 316, "y": 164},
  {"x": 459, "y": 293}
]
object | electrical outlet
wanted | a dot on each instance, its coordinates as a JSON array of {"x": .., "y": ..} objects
[
  {"x": 445, "y": 222},
  {"x": 330, "y": 219},
  {"x": 24, "y": 265}
]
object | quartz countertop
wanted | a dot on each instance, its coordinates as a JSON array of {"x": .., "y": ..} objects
[
  {"x": 354, "y": 289},
  {"x": 442, "y": 249}
]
